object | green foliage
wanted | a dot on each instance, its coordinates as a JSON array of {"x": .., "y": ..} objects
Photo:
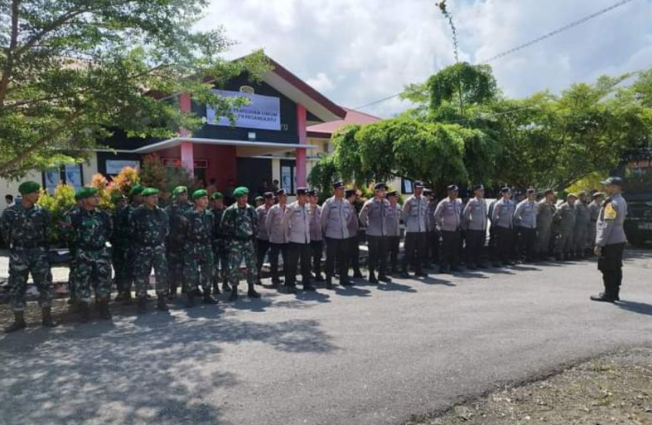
[
  {"x": 104, "y": 189},
  {"x": 70, "y": 70},
  {"x": 347, "y": 153},
  {"x": 178, "y": 176},
  {"x": 478, "y": 85},
  {"x": 126, "y": 179},
  {"x": 153, "y": 173},
  {"x": 58, "y": 204},
  {"x": 323, "y": 175}
]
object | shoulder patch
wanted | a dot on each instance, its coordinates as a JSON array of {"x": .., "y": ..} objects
[{"x": 610, "y": 213}]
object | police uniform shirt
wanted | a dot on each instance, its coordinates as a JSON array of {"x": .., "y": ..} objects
[
  {"x": 431, "y": 226},
  {"x": 296, "y": 223},
  {"x": 393, "y": 220},
  {"x": 475, "y": 214},
  {"x": 373, "y": 216},
  {"x": 609, "y": 228},
  {"x": 335, "y": 214},
  {"x": 274, "y": 225},
  {"x": 526, "y": 214},
  {"x": 262, "y": 213},
  {"x": 414, "y": 214},
  {"x": 448, "y": 214},
  {"x": 315, "y": 225},
  {"x": 503, "y": 213}
]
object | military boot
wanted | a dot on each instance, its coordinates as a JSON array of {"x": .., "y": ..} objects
[
  {"x": 173, "y": 291},
  {"x": 161, "y": 304},
  {"x": 47, "y": 321},
  {"x": 251, "y": 293},
  {"x": 141, "y": 306},
  {"x": 226, "y": 287},
  {"x": 208, "y": 298},
  {"x": 105, "y": 313},
  {"x": 19, "y": 322},
  {"x": 82, "y": 309},
  {"x": 329, "y": 282},
  {"x": 234, "y": 293},
  {"x": 372, "y": 277}
]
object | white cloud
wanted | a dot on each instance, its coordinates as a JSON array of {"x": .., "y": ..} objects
[{"x": 359, "y": 51}]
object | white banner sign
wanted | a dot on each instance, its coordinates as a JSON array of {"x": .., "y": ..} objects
[
  {"x": 263, "y": 112},
  {"x": 114, "y": 166}
]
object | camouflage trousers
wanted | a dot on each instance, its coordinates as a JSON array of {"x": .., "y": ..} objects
[
  {"x": 22, "y": 262},
  {"x": 121, "y": 267},
  {"x": 240, "y": 251},
  {"x": 92, "y": 269},
  {"x": 175, "y": 266},
  {"x": 148, "y": 257},
  {"x": 221, "y": 255},
  {"x": 198, "y": 267}
]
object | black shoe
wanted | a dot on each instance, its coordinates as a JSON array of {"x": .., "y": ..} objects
[
  {"x": 319, "y": 277},
  {"x": 405, "y": 274},
  {"x": 358, "y": 275},
  {"x": 105, "y": 313},
  {"x": 444, "y": 269},
  {"x": 346, "y": 282},
  {"x": 172, "y": 294},
  {"x": 126, "y": 299},
  {"x": 251, "y": 293},
  {"x": 234, "y": 294},
  {"x": 329, "y": 283},
  {"x": 161, "y": 304},
  {"x": 190, "y": 300},
  {"x": 208, "y": 299},
  {"x": 47, "y": 318},
  {"x": 308, "y": 287},
  {"x": 455, "y": 269},
  {"x": 421, "y": 274},
  {"x": 602, "y": 298},
  {"x": 290, "y": 289},
  {"x": 216, "y": 289},
  {"x": 19, "y": 323},
  {"x": 396, "y": 271},
  {"x": 483, "y": 266},
  {"x": 384, "y": 278},
  {"x": 142, "y": 305}
]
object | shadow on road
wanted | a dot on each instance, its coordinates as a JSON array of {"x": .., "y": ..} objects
[{"x": 636, "y": 307}]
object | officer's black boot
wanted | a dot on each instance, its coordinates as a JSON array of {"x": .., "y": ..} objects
[
  {"x": 141, "y": 305},
  {"x": 216, "y": 288},
  {"x": 226, "y": 288},
  {"x": 372, "y": 277},
  {"x": 190, "y": 300},
  {"x": 19, "y": 323},
  {"x": 208, "y": 298},
  {"x": 173, "y": 291},
  {"x": 127, "y": 300},
  {"x": 161, "y": 304},
  {"x": 105, "y": 313},
  {"x": 319, "y": 277},
  {"x": 234, "y": 293},
  {"x": 82, "y": 308},
  {"x": 329, "y": 282},
  {"x": 358, "y": 274},
  {"x": 307, "y": 286},
  {"x": 405, "y": 274},
  {"x": 251, "y": 293},
  {"x": 47, "y": 317}
]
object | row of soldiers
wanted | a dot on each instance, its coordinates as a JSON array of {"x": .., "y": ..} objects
[{"x": 198, "y": 244}]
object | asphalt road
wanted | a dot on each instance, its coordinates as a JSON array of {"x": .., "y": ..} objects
[{"x": 353, "y": 356}]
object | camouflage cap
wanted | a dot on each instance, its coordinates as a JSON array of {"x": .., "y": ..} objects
[
  {"x": 29, "y": 187},
  {"x": 240, "y": 191},
  {"x": 85, "y": 192},
  {"x": 149, "y": 191},
  {"x": 199, "y": 194}
]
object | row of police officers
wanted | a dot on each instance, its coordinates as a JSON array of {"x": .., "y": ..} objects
[{"x": 197, "y": 242}]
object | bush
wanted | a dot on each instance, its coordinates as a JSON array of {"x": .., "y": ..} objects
[
  {"x": 127, "y": 179},
  {"x": 58, "y": 204},
  {"x": 104, "y": 189}
]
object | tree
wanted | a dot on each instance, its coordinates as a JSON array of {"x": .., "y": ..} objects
[{"x": 70, "y": 70}]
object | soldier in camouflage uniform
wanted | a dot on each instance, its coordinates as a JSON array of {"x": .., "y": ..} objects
[
  {"x": 26, "y": 228},
  {"x": 150, "y": 226},
  {"x": 220, "y": 248},
  {"x": 125, "y": 238},
  {"x": 197, "y": 230},
  {"x": 240, "y": 225},
  {"x": 120, "y": 245},
  {"x": 90, "y": 230},
  {"x": 72, "y": 263},
  {"x": 175, "y": 241}
]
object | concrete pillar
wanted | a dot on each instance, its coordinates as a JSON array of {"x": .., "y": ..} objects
[{"x": 300, "y": 153}]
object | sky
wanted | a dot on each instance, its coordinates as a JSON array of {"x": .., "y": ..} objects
[{"x": 358, "y": 51}]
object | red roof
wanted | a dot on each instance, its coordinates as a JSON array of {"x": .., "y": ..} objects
[{"x": 326, "y": 130}]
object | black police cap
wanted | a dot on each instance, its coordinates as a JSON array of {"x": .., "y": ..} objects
[{"x": 349, "y": 192}]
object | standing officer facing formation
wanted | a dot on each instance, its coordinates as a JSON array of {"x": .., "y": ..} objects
[
  {"x": 240, "y": 225},
  {"x": 475, "y": 219},
  {"x": 373, "y": 216},
  {"x": 610, "y": 240},
  {"x": 414, "y": 216},
  {"x": 150, "y": 227},
  {"x": 26, "y": 228},
  {"x": 448, "y": 217},
  {"x": 296, "y": 225},
  {"x": 335, "y": 216}
]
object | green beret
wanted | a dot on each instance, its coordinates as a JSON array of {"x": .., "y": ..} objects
[
  {"x": 198, "y": 194},
  {"x": 116, "y": 197},
  {"x": 29, "y": 187},
  {"x": 136, "y": 190},
  {"x": 217, "y": 196},
  {"x": 179, "y": 190},
  {"x": 240, "y": 191},
  {"x": 85, "y": 192},
  {"x": 149, "y": 191}
]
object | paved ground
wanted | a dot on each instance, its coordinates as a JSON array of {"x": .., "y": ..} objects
[{"x": 359, "y": 356}]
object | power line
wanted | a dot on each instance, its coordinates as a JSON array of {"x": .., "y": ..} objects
[{"x": 524, "y": 45}]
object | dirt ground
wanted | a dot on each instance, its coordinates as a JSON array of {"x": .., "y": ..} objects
[{"x": 615, "y": 389}]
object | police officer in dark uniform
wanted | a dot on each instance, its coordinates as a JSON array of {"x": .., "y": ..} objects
[{"x": 610, "y": 240}]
